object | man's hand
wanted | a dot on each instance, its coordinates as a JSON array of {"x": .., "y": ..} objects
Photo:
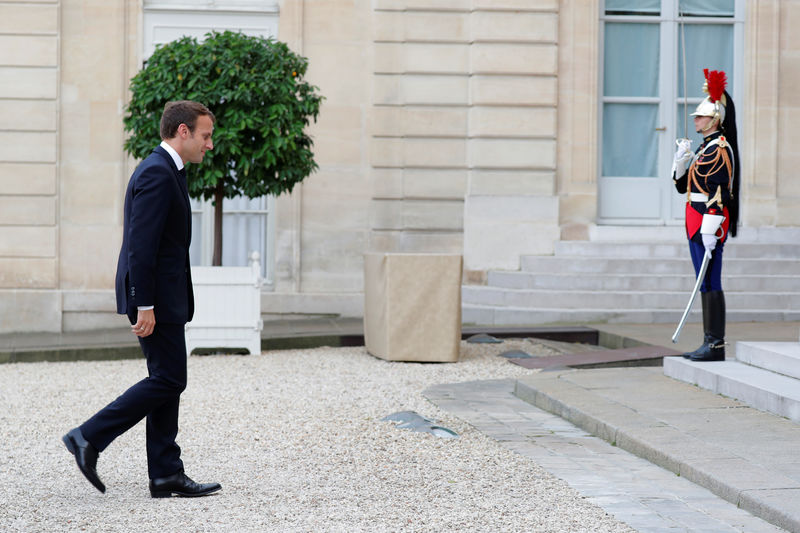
[{"x": 145, "y": 323}]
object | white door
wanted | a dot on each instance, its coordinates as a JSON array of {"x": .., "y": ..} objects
[{"x": 642, "y": 96}]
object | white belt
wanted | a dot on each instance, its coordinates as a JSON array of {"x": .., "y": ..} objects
[{"x": 698, "y": 197}]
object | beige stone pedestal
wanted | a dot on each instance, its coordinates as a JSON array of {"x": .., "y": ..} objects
[{"x": 412, "y": 308}]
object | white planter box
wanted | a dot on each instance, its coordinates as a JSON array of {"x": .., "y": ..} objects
[{"x": 227, "y": 310}]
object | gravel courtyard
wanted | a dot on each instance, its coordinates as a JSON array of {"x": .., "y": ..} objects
[{"x": 295, "y": 439}]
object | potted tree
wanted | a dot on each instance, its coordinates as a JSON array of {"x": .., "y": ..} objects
[{"x": 256, "y": 88}]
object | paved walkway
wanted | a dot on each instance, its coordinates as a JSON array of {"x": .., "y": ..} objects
[
  {"x": 746, "y": 456},
  {"x": 635, "y": 491}
]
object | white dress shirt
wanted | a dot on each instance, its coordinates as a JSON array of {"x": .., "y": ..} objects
[{"x": 171, "y": 151}]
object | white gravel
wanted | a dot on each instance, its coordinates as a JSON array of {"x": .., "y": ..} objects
[{"x": 296, "y": 441}]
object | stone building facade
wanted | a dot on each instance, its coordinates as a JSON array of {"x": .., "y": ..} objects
[{"x": 467, "y": 126}]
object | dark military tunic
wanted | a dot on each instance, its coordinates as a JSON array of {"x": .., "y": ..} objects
[{"x": 710, "y": 174}]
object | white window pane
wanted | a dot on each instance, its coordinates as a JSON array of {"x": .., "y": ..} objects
[
  {"x": 631, "y": 59},
  {"x": 242, "y": 203},
  {"x": 630, "y": 141},
  {"x": 707, "y": 8},
  {"x": 244, "y": 230},
  {"x": 241, "y": 235},
  {"x": 633, "y": 7},
  {"x": 707, "y": 46}
]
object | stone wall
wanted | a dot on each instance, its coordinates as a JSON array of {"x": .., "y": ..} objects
[
  {"x": 449, "y": 125},
  {"x": 322, "y": 226},
  {"x": 463, "y": 127},
  {"x": 29, "y": 195},
  {"x": 772, "y": 58},
  {"x": 100, "y": 53},
  {"x": 64, "y": 67}
]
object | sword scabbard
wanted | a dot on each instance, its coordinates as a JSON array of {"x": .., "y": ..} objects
[{"x": 700, "y": 276}]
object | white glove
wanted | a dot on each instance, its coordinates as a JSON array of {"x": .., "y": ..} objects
[
  {"x": 710, "y": 242},
  {"x": 709, "y": 228},
  {"x": 682, "y": 156},
  {"x": 684, "y": 150}
]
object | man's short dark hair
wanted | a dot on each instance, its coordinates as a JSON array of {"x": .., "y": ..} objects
[{"x": 182, "y": 112}]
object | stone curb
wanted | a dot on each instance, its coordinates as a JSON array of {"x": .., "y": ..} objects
[
  {"x": 55, "y": 355},
  {"x": 665, "y": 446}
]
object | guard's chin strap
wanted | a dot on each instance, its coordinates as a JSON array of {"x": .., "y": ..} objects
[{"x": 710, "y": 125}]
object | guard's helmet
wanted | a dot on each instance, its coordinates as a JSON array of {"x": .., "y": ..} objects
[{"x": 714, "y": 104}]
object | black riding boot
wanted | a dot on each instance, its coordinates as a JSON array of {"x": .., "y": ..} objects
[
  {"x": 714, "y": 347},
  {"x": 706, "y": 328}
]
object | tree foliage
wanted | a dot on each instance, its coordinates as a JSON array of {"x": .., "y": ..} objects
[{"x": 255, "y": 87}]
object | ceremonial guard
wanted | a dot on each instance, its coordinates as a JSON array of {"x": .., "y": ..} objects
[{"x": 710, "y": 180}]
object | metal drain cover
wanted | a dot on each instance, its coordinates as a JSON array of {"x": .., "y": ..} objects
[
  {"x": 415, "y": 422},
  {"x": 483, "y": 338},
  {"x": 515, "y": 354}
]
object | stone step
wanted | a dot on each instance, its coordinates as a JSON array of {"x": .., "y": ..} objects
[
  {"x": 745, "y": 456},
  {"x": 559, "y": 264},
  {"x": 779, "y": 357},
  {"x": 514, "y": 316},
  {"x": 608, "y": 299},
  {"x": 517, "y": 316},
  {"x": 635, "y": 282},
  {"x": 676, "y": 233},
  {"x": 759, "y": 388},
  {"x": 671, "y": 250},
  {"x": 639, "y": 275}
]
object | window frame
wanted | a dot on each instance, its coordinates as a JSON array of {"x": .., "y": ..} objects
[{"x": 670, "y": 211}]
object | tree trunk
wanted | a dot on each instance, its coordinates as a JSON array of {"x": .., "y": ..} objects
[{"x": 218, "y": 197}]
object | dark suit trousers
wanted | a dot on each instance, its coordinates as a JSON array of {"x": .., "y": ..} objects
[{"x": 155, "y": 397}]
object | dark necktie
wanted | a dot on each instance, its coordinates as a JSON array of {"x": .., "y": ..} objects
[
  {"x": 182, "y": 180},
  {"x": 185, "y": 187}
]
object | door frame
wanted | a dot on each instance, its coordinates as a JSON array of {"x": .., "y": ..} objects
[{"x": 670, "y": 204}]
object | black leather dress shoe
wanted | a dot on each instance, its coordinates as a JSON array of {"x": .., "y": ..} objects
[
  {"x": 85, "y": 456},
  {"x": 181, "y": 485}
]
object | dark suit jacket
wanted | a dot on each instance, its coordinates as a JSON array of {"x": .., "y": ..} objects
[{"x": 153, "y": 267}]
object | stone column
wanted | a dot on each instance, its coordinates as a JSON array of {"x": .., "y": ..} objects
[
  {"x": 578, "y": 96},
  {"x": 510, "y": 208}
]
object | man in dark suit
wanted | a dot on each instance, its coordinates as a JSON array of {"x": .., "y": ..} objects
[{"x": 154, "y": 288}]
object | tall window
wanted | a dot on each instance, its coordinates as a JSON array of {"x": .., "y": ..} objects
[
  {"x": 247, "y": 226},
  {"x": 643, "y": 104}
]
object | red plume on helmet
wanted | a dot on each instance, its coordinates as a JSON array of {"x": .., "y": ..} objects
[{"x": 716, "y": 80}]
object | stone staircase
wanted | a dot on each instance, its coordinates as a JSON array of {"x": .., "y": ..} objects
[
  {"x": 764, "y": 375},
  {"x": 639, "y": 275}
]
